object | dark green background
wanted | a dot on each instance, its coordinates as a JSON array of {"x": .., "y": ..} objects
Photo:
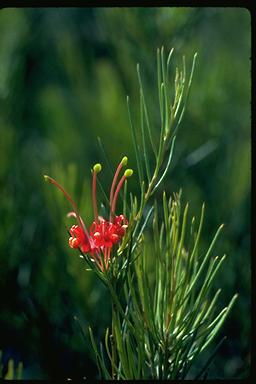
[{"x": 64, "y": 77}]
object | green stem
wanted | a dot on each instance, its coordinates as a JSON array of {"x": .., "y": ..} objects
[{"x": 113, "y": 343}]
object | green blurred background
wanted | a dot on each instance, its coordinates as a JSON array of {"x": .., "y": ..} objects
[{"x": 64, "y": 77}]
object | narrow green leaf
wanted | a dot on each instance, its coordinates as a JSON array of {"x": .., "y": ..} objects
[
  {"x": 120, "y": 347},
  {"x": 181, "y": 242},
  {"x": 144, "y": 108},
  {"x": 143, "y": 138},
  {"x": 131, "y": 357},
  {"x": 135, "y": 146},
  {"x": 162, "y": 132},
  {"x": 105, "y": 370},
  {"x": 198, "y": 233},
  {"x": 107, "y": 346},
  {"x": 159, "y": 83},
  {"x": 94, "y": 267},
  {"x": 168, "y": 66},
  {"x": 187, "y": 95},
  {"x": 211, "y": 306},
  {"x": 105, "y": 156},
  {"x": 198, "y": 273},
  {"x": 220, "y": 322},
  {"x": 119, "y": 307},
  {"x": 166, "y": 101},
  {"x": 214, "y": 272},
  {"x": 167, "y": 166},
  {"x": 99, "y": 363},
  {"x": 210, "y": 359},
  {"x": 166, "y": 218},
  {"x": 142, "y": 228}
]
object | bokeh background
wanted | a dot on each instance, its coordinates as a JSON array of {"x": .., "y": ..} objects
[{"x": 64, "y": 77}]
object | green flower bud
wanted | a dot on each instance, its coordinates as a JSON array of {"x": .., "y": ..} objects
[
  {"x": 124, "y": 160},
  {"x": 128, "y": 173},
  {"x": 97, "y": 168}
]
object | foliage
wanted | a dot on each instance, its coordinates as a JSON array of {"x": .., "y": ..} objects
[
  {"x": 169, "y": 321},
  {"x": 64, "y": 74}
]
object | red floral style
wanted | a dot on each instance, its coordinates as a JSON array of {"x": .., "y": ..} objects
[{"x": 103, "y": 234}]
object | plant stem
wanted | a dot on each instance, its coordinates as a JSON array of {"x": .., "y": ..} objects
[{"x": 113, "y": 342}]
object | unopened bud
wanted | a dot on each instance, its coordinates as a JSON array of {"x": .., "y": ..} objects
[
  {"x": 128, "y": 173},
  {"x": 124, "y": 160},
  {"x": 97, "y": 168}
]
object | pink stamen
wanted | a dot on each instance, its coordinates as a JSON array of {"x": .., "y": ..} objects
[
  {"x": 113, "y": 205},
  {"x": 122, "y": 163},
  {"x": 106, "y": 257},
  {"x": 73, "y": 214},
  {"x": 120, "y": 166},
  {"x": 73, "y": 204},
  {"x": 94, "y": 199}
]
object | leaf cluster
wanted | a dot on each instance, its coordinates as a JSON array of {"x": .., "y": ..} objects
[{"x": 163, "y": 308}]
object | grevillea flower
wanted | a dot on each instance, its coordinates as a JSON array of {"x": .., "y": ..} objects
[{"x": 103, "y": 234}]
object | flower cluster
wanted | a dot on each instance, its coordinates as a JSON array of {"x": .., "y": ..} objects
[{"x": 103, "y": 234}]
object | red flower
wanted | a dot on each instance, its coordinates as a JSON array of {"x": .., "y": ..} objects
[
  {"x": 103, "y": 234},
  {"x": 78, "y": 239},
  {"x": 106, "y": 234}
]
